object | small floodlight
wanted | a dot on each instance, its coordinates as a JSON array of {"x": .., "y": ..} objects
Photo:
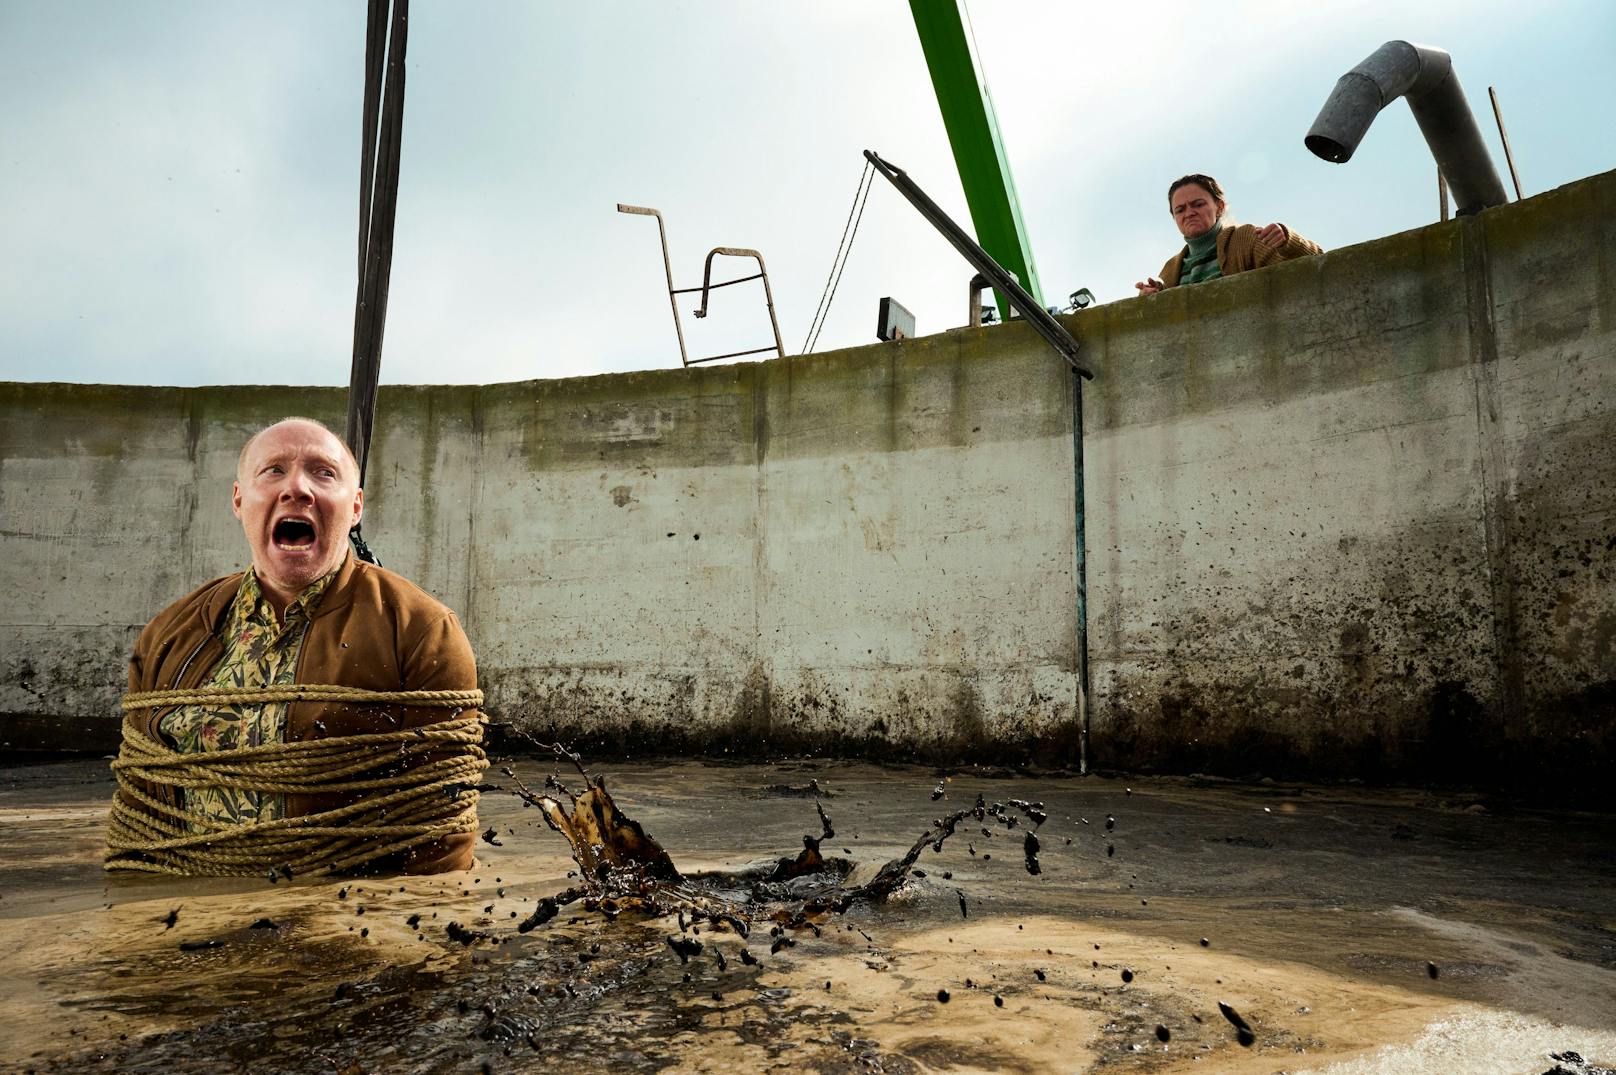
[{"x": 894, "y": 321}]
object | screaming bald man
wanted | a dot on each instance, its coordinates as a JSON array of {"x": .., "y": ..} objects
[{"x": 307, "y": 611}]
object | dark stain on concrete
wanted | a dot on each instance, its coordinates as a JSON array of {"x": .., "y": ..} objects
[{"x": 1462, "y": 742}]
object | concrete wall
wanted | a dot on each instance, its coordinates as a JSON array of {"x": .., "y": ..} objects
[
  {"x": 1357, "y": 515},
  {"x": 1348, "y": 516},
  {"x": 859, "y": 551}
]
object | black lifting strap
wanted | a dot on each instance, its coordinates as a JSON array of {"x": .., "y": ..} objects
[{"x": 378, "y": 203}]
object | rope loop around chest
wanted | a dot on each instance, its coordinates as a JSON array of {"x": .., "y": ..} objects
[{"x": 405, "y": 788}]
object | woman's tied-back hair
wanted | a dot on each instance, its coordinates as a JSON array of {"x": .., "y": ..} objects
[{"x": 1205, "y": 182}]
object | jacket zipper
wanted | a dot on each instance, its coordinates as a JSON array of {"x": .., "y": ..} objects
[
  {"x": 156, "y": 728},
  {"x": 181, "y": 674},
  {"x": 179, "y": 678}
]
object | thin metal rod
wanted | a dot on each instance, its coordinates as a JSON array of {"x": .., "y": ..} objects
[
  {"x": 707, "y": 286},
  {"x": 1003, "y": 282},
  {"x": 768, "y": 297},
  {"x": 734, "y": 354},
  {"x": 1509, "y": 156},
  {"x": 667, "y": 268},
  {"x": 1442, "y": 194},
  {"x": 768, "y": 293},
  {"x": 714, "y": 287},
  {"x": 974, "y": 302},
  {"x": 1082, "y": 572}
]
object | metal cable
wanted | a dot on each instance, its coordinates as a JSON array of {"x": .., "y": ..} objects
[{"x": 843, "y": 249}]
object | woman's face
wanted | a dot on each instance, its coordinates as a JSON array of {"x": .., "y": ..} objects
[{"x": 1195, "y": 210}]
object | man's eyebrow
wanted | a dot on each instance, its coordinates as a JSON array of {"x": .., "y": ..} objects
[
  {"x": 317, "y": 458},
  {"x": 332, "y": 462}
]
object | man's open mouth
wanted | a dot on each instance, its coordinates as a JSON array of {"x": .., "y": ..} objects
[{"x": 294, "y": 534}]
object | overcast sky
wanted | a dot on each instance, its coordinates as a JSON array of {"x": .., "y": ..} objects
[{"x": 179, "y": 181}]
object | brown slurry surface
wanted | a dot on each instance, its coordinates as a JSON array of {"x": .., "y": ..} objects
[{"x": 1324, "y": 909}]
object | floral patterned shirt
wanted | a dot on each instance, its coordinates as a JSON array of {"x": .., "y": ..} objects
[{"x": 260, "y": 651}]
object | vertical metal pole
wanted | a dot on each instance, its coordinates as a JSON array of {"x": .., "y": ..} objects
[
  {"x": 667, "y": 269},
  {"x": 973, "y": 134},
  {"x": 1082, "y": 575},
  {"x": 1509, "y": 156},
  {"x": 1442, "y": 193},
  {"x": 768, "y": 296}
]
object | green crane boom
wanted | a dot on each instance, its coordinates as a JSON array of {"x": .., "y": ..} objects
[{"x": 973, "y": 132}]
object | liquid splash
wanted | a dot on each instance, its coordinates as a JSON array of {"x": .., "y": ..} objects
[{"x": 623, "y": 868}]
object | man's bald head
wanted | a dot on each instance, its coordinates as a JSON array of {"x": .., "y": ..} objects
[
  {"x": 297, "y": 495},
  {"x": 347, "y": 452}
]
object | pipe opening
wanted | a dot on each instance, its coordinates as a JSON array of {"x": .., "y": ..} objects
[{"x": 1327, "y": 149}]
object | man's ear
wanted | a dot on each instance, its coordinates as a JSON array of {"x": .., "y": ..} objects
[
  {"x": 358, "y": 507},
  {"x": 235, "y": 498}
]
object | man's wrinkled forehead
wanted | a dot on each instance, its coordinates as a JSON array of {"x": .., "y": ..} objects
[{"x": 331, "y": 448}]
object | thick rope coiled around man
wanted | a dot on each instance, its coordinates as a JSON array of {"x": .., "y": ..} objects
[{"x": 396, "y": 811}]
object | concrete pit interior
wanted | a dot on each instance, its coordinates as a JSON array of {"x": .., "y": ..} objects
[{"x": 1350, "y": 637}]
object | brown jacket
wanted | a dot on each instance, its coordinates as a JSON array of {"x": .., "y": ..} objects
[
  {"x": 372, "y": 629},
  {"x": 1239, "y": 251}
]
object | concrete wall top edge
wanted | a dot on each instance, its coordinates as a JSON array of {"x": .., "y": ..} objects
[{"x": 1400, "y": 251}]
